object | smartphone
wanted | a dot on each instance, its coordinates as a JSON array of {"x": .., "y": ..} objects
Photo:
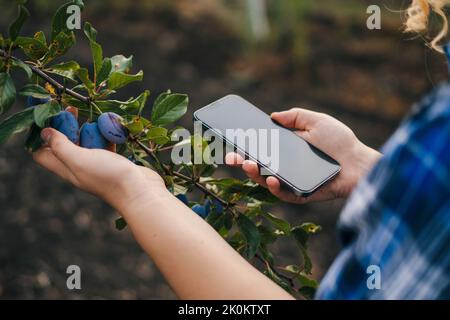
[{"x": 300, "y": 166}]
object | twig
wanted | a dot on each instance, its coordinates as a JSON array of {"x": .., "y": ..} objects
[
  {"x": 49, "y": 79},
  {"x": 199, "y": 185}
]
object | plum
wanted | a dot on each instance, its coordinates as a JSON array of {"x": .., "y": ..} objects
[
  {"x": 31, "y": 101},
  {"x": 110, "y": 125},
  {"x": 91, "y": 138},
  {"x": 216, "y": 206},
  {"x": 183, "y": 198},
  {"x": 200, "y": 210},
  {"x": 66, "y": 123}
]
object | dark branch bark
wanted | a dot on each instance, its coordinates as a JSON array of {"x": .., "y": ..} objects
[{"x": 46, "y": 77}]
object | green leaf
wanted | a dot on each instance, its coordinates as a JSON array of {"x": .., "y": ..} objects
[
  {"x": 96, "y": 49},
  {"x": 16, "y": 123},
  {"x": 59, "y": 23},
  {"x": 34, "y": 48},
  {"x": 34, "y": 141},
  {"x": 40, "y": 36},
  {"x": 260, "y": 193},
  {"x": 307, "y": 292},
  {"x": 119, "y": 79},
  {"x": 83, "y": 75},
  {"x": 251, "y": 234},
  {"x": 59, "y": 46},
  {"x": 121, "y": 63},
  {"x": 169, "y": 109},
  {"x": 104, "y": 71},
  {"x": 300, "y": 235},
  {"x": 44, "y": 111},
  {"x": 158, "y": 135},
  {"x": 310, "y": 227},
  {"x": 305, "y": 281},
  {"x": 272, "y": 275},
  {"x": 280, "y": 224},
  {"x": 120, "y": 223},
  {"x": 161, "y": 97},
  {"x": 267, "y": 236},
  {"x": 292, "y": 269},
  {"x": 133, "y": 105},
  {"x": 65, "y": 69},
  {"x": 7, "y": 92},
  {"x": 15, "y": 27},
  {"x": 136, "y": 125},
  {"x": 22, "y": 65},
  {"x": 34, "y": 90}
]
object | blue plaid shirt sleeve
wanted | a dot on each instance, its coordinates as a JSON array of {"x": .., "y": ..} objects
[{"x": 398, "y": 217}]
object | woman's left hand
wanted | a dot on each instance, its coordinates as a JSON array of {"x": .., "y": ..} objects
[{"x": 105, "y": 174}]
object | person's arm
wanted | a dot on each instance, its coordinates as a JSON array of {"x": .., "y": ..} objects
[
  {"x": 194, "y": 259},
  {"x": 327, "y": 134}
]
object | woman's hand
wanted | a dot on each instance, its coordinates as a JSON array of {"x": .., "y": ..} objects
[
  {"x": 105, "y": 174},
  {"x": 327, "y": 134},
  {"x": 196, "y": 261}
]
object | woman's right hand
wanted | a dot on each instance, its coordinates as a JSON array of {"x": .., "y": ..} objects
[{"x": 330, "y": 136}]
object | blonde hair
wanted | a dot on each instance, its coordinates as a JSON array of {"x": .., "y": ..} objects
[{"x": 417, "y": 18}]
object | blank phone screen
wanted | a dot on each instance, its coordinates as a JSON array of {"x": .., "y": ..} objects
[{"x": 299, "y": 164}]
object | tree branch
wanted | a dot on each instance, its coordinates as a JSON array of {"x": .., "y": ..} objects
[
  {"x": 46, "y": 77},
  {"x": 199, "y": 185}
]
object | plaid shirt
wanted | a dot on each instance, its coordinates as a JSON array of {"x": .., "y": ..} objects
[{"x": 398, "y": 217}]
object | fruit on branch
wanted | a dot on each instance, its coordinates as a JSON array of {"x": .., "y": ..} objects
[
  {"x": 183, "y": 198},
  {"x": 91, "y": 138},
  {"x": 215, "y": 205},
  {"x": 31, "y": 101},
  {"x": 200, "y": 210},
  {"x": 110, "y": 125},
  {"x": 66, "y": 123}
]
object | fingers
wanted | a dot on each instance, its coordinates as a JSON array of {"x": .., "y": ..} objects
[
  {"x": 234, "y": 159},
  {"x": 63, "y": 149},
  {"x": 297, "y": 118},
  {"x": 274, "y": 186},
  {"x": 45, "y": 158},
  {"x": 251, "y": 169}
]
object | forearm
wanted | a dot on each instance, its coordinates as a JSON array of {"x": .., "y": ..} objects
[{"x": 194, "y": 259}]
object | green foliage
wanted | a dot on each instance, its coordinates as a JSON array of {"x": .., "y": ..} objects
[
  {"x": 7, "y": 92},
  {"x": 245, "y": 222}
]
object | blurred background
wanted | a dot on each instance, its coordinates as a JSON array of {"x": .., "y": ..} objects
[{"x": 275, "y": 53}]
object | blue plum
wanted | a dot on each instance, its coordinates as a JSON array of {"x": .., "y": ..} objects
[
  {"x": 91, "y": 138},
  {"x": 31, "y": 101},
  {"x": 66, "y": 123},
  {"x": 109, "y": 124},
  {"x": 215, "y": 205},
  {"x": 200, "y": 210},
  {"x": 183, "y": 198}
]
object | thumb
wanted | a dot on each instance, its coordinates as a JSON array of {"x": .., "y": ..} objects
[
  {"x": 63, "y": 149},
  {"x": 297, "y": 118}
]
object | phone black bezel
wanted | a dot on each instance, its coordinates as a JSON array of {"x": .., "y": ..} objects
[{"x": 295, "y": 189}]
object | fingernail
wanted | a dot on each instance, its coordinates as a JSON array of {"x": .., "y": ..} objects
[{"x": 46, "y": 135}]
